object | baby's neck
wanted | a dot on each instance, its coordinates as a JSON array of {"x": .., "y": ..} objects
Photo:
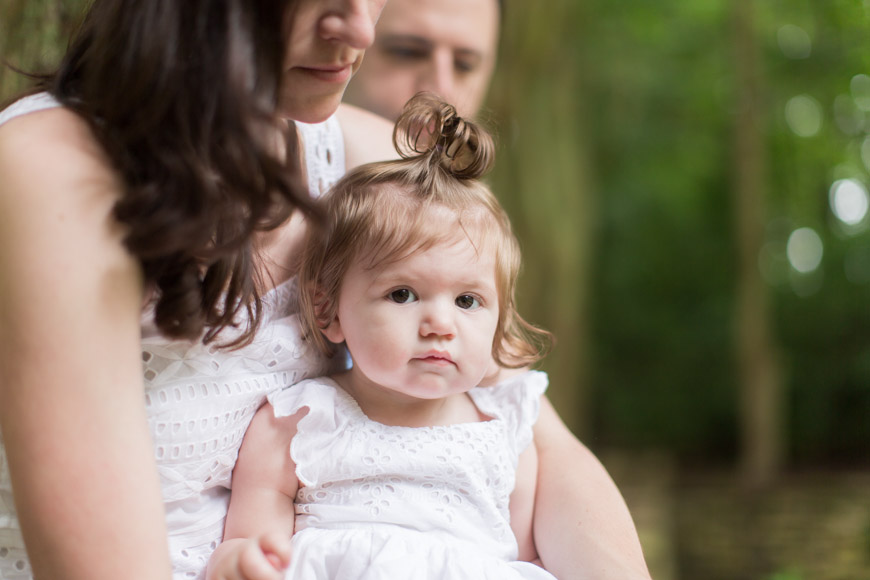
[{"x": 397, "y": 409}]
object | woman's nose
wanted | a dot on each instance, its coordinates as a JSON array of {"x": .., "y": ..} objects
[{"x": 352, "y": 22}]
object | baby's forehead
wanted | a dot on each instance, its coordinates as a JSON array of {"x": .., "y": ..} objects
[
  {"x": 450, "y": 241},
  {"x": 448, "y": 263}
]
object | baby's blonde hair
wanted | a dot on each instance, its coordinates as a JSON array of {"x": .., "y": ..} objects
[{"x": 382, "y": 212}]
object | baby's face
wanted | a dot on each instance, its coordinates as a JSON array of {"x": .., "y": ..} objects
[{"x": 422, "y": 326}]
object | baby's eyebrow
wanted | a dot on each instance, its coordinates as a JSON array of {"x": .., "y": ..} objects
[{"x": 477, "y": 285}]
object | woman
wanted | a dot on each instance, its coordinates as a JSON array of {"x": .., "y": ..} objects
[{"x": 145, "y": 217}]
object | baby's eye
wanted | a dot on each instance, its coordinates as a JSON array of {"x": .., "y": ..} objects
[
  {"x": 467, "y": 302},
  {"x": 402, "y": 296}
]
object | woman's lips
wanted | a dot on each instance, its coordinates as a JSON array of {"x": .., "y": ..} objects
[{"x": 329, "y": 74}]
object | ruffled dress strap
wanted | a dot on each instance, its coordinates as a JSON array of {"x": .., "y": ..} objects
[
  {"x": 322, "y": 432},
  {"x": 516, "y": 401},
  {"x": 323, "y": 144}
]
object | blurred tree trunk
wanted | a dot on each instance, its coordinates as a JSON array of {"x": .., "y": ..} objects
[
  {"x": 542, "y": 177},
  {"x": 757, "y": 361}
]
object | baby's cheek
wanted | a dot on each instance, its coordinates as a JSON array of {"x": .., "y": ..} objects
[{"x": 384, "y": 352}]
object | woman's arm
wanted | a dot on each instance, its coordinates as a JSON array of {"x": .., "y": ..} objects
[
  {"x": 582, "y": 527},
  {"x": 522, "y": 504},
  {"x": 71, "y": 395},
  {"x": 261, "y": 516}
]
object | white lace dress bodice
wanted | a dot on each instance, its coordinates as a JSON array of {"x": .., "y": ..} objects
[
  {"x": 379, "y": 502},
  {"x": 199, "y": 398}
]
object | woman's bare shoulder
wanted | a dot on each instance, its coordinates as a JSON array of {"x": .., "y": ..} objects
[
  {"x": 56, "y": 138},
  {"x": 56, "y": 198},
  {"x": 51, "y": 162},
  {"x": 367, "y": 137}
]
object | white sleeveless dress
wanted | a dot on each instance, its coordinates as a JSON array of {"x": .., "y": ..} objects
[
  {"x": 380, "y": 502},
  {"x": 199, "y": 399}
]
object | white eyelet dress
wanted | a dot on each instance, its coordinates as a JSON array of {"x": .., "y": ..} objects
[
  {"x": 380, "y": 502},
  {"x": 200, "y": 399}
]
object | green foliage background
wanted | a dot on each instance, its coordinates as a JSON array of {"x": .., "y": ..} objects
[
  {"x": 616, "y": 125},
  {"x": 645, "y": 92}
]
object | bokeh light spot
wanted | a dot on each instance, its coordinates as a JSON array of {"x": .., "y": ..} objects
[
  {"x": 794, "y": 42},
  {"x": 804, "y": 250},
  {"x": 849, "y": 201},
  {"x": 803, "y": 115},
  {"x": 860, "y": 85}
]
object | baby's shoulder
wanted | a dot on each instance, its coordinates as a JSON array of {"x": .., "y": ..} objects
[
  {"x": 514, "y": 393},
  {"x": 318, "y": 392},
  {"x": 515, "y": 401}
]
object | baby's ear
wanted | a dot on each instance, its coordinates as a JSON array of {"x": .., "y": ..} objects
[
  {"x": 332, "y": 331},
  {"x": 327, "y": 320}
]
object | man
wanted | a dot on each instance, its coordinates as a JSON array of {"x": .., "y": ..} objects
[{"x": 447, "y": 47}]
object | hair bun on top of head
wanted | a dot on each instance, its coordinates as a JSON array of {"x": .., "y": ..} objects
[{"x": 430, "y": 127}]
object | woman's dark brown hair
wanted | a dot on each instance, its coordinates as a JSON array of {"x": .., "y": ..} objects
[{"x": 182, "y": 95}]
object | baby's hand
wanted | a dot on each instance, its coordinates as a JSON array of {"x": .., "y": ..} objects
[{"x": 263, "y": 558}]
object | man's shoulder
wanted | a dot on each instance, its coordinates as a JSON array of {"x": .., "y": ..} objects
[{"x": 367, "y": 137}]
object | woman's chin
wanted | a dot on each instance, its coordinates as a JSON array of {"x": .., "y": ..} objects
[{"x": 311, "y": 111}]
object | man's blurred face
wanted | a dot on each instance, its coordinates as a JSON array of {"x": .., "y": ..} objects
[{"x": 447, "y": 47}]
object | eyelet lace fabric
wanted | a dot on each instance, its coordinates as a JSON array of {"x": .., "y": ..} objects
[
  {"x": 386, "y": 502},
  {"x": 324, "y": 154},
  {"x": 200, "y": 399}
]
